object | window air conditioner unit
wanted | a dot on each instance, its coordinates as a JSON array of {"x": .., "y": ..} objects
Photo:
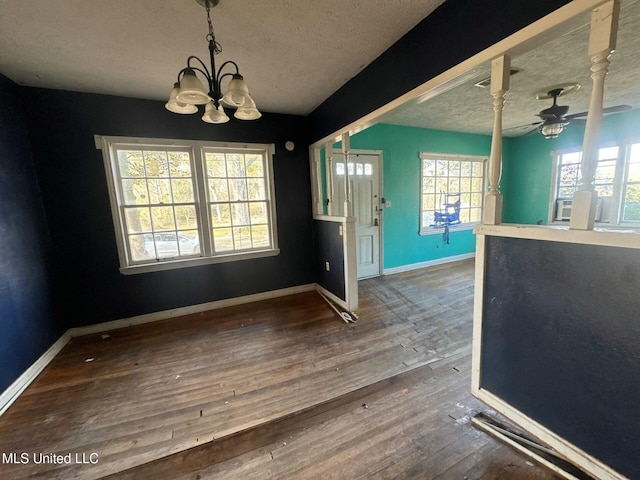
[{"x": 563, "y": 210}]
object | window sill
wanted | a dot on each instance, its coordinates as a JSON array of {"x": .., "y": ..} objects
[
  {"x": 438, "y": 230},
  {"x": 194, "y": 262}
]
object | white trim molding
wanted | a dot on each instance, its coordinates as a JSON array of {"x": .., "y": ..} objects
[
  {"x": 564, "y": 448},
  {"x": 197, "y": 177},
  {"x": 182, "y": 311},
  {"x": 14, "y": 391},
  {"x": 428, "y": 263}
]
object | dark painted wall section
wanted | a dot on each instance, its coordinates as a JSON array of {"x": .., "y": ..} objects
[
  {"x": 27, "y": 326},
  {"x": 329, "y": 247},
  {"x": 561, "y": 342},
  {"x": 73, "y": 183},
  {"x": 457, "y": 30}
]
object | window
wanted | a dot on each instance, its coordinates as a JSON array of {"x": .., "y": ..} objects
[
  {"x": 617, "y": 181},
  {"x": 183, "y": 203},
  {"x": 631, "y": 196},
  {"x": 452, "y": 191}
]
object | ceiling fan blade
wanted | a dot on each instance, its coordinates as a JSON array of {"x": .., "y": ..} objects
[
  {"x": 616, "y": 109},
  {"x": 605, "y": 111},
  {"x": 532, "y": 132},
  {"x": 521, "y": 130}
]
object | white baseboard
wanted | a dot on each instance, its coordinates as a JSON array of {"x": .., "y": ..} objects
[
  {"x": 429, "y": 263},
  {"x": 573, "y": 454},
  {"x": 179, "y": 312},
  {"x": 14, "y": 391},
  {"x": 334, "y": 298}
]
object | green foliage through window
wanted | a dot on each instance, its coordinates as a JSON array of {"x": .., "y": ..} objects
[{"x": 198, "y": 200}]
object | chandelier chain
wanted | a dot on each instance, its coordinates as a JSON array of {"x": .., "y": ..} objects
[{"x": 211, "y": 38}]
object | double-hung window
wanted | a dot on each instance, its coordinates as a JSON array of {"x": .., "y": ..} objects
[
  {"x": 180, "y": 203},
  {"x": 617, "y": 181},
  {"x": 452, "y": 191}
]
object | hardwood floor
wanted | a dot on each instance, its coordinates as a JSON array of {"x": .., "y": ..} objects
[{"x": 276, "y": 389}]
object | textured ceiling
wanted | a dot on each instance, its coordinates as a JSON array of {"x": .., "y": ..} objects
[
  {"x": 293, "y": 53},
  {"x": 564, "y": 60}
]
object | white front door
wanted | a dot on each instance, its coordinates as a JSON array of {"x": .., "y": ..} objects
[{"x": 364, "y": 176}]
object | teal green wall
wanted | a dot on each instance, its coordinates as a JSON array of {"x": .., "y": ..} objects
[
  {"x": 401, "y": 147},
  {"x": 526, "y": 179},
  {"x": 527, "y": 165}
]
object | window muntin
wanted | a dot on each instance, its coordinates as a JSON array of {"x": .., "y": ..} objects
[
  {"x": 617, "y": 181},
  {"x": 569, "y": 172},
  {"x": 181, "y": 203},
  {"x": 157, "y": 204},
  {"x": 238, "y": 202},
  {"x": 356, "y": 168},
  {"x": 451, "y": 174},
  {"x": 631, "y": 197}
]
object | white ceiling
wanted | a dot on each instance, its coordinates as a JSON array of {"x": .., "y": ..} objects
[
  {"x": 293, "y": 53},
  {"x": 564, "y": 60}
]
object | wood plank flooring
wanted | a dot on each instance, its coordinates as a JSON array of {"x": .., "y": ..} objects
[{"x": 276, "y": 389}]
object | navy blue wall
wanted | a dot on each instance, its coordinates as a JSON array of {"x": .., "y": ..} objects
[
  {"x": 457, "y": 30},
  {"x": 27, "y": 326},
  {"x": 561, "y": 341},
  {"x": 61, "y": 125},
  {"x": 74, "y": 189},
  {"x": 329, "y": 247}
]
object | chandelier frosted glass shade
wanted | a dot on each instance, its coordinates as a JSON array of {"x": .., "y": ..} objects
[
  {"x": 213, "y": 114},
  {"x": 237, "y": 92},
  {"x": 248, "y": 110},
  {"x": 191, "y": 89},
  {"x": 173, "y": 105}
]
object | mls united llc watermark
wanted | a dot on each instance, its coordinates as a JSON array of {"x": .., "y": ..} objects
[{"x": 53, "y": 458}]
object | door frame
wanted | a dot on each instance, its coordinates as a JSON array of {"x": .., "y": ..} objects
[{"x": 330, "y": 186}]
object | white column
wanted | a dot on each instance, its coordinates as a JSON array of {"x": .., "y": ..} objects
[
  {"x": 350, "y": 264},
  {"x": 500, "y": 71},
  {"x": 348, "y": 205},
  {"x": 328, "y": 161},
  {"x": 316, "y": 184},
  {"x": 602, "y": 42}
]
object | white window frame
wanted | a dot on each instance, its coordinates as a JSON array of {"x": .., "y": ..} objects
[
  {"x": 613, "y": 210},
  {"x": 197, "y": 151},
  {"x": 427, "y": 230}
]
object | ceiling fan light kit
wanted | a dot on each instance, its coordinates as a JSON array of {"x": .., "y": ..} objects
[
  {"x": 189, "y": 91},
  {"x": 552, "y": 130},
  {"x": 554, "y": 118}
]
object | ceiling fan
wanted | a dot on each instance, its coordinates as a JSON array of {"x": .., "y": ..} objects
[{"x": 555, "y": 118}]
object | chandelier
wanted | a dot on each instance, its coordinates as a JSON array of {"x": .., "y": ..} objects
[{"x": 189, "y": 92}]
